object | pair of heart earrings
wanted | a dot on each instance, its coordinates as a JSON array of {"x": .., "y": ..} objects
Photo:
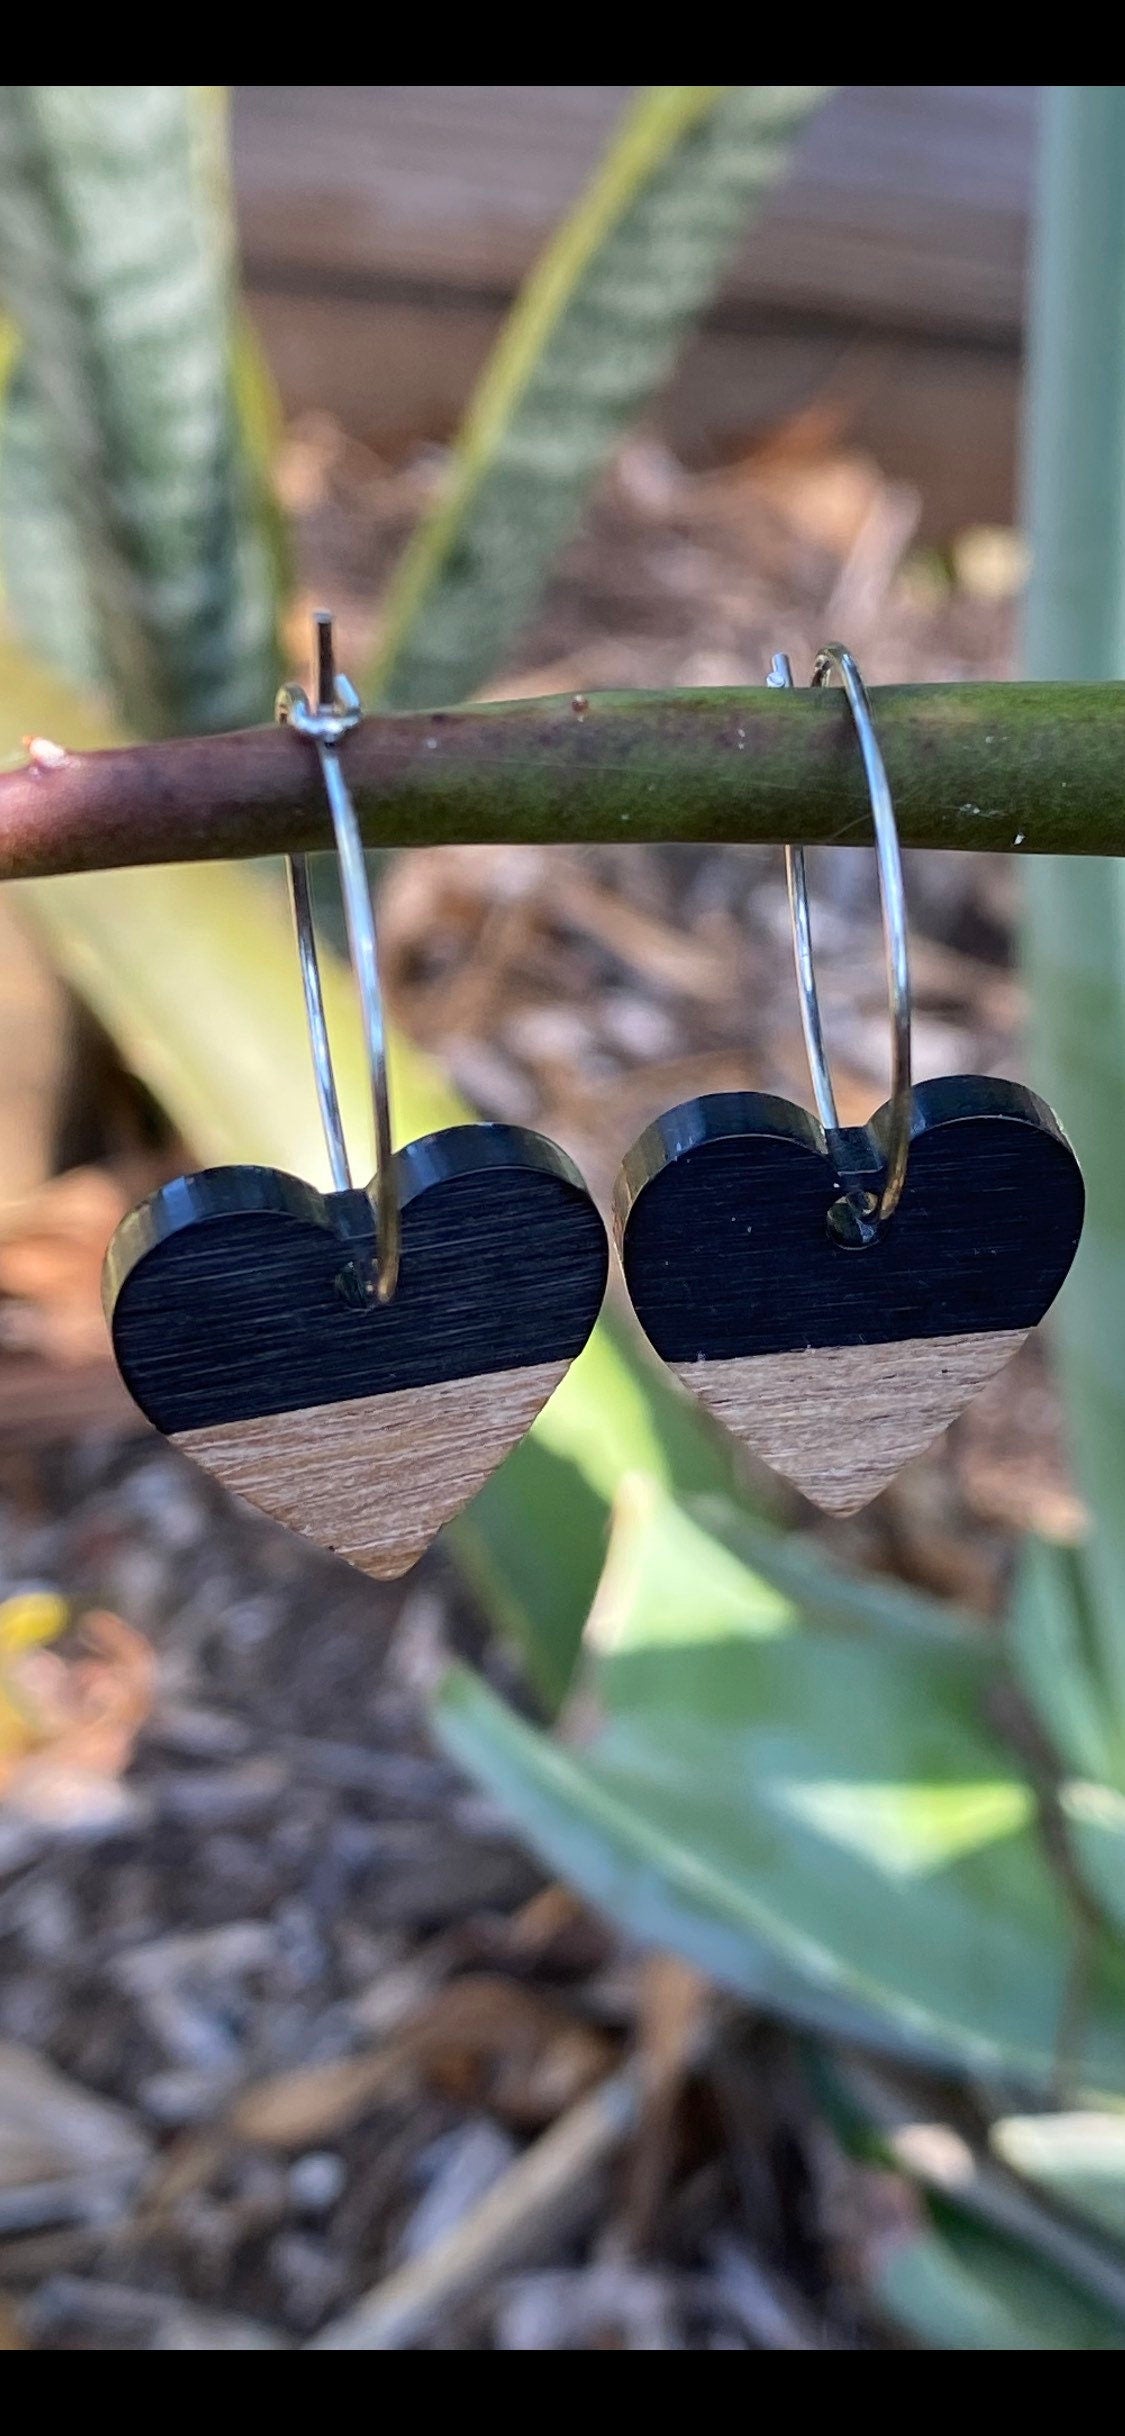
[{"x": 357, "y": 1363}]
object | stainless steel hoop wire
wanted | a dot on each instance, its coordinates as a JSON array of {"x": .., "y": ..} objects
[
  {"x": 337, "y": 711},
  {"x": 836, "y": 660}
]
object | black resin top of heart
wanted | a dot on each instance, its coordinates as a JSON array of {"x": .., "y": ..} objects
[
  {"x": 223, "y": 1289},
  {"x": 722, "y": 1208}
]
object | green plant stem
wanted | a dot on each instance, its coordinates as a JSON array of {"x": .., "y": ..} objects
[{"x": 1036, "y": 768}]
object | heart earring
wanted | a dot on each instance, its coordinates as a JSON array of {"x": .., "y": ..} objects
[
  {"x": 836, "y": 1294},
  {"x": 357, "y": 1363}
]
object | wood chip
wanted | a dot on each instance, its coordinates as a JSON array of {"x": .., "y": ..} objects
[
  {"x": 545, "y": 2193},
  {"x": 670, "y": 2028},
  {"x": 52, "y": 2128}
]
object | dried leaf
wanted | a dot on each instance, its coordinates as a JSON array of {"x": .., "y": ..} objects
[
  {"x": 52, "y": 2128},
  {"x": 494, "y": 2042},
  {"x": 485, "y": 2040},
  {"x": 316, "y": 2101},
  {"x": 52, "y": 1246},
  {"x": 11, "y": 2336},
  {"x": 672, "y": 2013},
  {"x": 70, "y": 1720}
]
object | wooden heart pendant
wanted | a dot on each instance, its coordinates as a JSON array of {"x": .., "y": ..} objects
[
  {"x": 836, "y": 1362},
  {"x": 240, "y": 1328}
]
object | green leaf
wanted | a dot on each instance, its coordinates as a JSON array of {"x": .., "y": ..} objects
[
  {"x": 958, "y": 2286},
  {"x": 594, "y": 334},
  {"x": 818, "y": 1587},
  {"x": 534, "y": 1541},
  {"x": 1052, "y": 1640},
  {"x": 879, "y": 2118},
  {"x": 1095, "y": 1825},
  {"x": 212, "y": 990},
  {"x": 831, "y": 1796},
  {"x": 1077, "y": 2158},
  {"x": 37, "y": 701},
  {"x": 115, "y": 265},
  {"x": 46, "y": 594}
]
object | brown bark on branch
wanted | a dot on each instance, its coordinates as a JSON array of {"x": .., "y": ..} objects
[{"x": 1038, "y": 768}]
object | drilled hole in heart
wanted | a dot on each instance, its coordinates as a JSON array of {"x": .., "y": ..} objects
[
  {"x": 853, "y": 1221},
  {"x": 356, "y": 1289}
]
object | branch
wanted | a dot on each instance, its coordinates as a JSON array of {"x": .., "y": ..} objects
[{"x": 993, "y": 767}]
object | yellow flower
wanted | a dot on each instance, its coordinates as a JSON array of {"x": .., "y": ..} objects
[
  {"x": 31, "y": 1617},
  {"x": 26, "y": 1622}
]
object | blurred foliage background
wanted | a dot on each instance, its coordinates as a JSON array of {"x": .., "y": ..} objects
[{"x": 838, "y": 1797}]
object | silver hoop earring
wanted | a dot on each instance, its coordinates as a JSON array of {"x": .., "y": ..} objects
[
  {"x": 357, "y": 1362},
  {"x": 836, "y": 1294}
]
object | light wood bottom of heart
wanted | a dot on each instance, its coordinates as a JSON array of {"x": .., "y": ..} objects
[
  {"x": 375, "y": 1479},
  {"x": 840, "y": 1420}
]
